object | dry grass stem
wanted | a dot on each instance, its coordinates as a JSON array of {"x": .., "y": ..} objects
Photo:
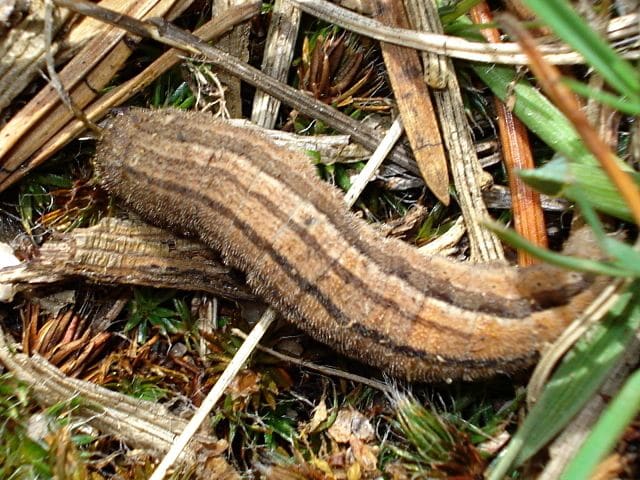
[
  {"x": 100, "y": 107},
  {"x": 23, "y": 51},
  {"x": 89, "y": 71},
  {"x": 421, "y": 16},
  {"x": 276, "y": 61},
  {"x": 236, "y": 364},
  {"x": 328, "y": 371},
  {"x": 454, "y": 47},
  {"x": 373, "y": 164},
  {"x": 466, "y": 171}
]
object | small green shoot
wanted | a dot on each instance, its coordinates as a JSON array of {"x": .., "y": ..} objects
[
  {"x": 141, "y": 388},
  {"x": 147, "y": 310},
  {"x": 35, "y": 197},
  {"x": 171, "y": 91},
  {"x": 431, "y": 443}
]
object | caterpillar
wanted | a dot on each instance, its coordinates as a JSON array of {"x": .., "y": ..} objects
[{"x": 322, "y": 268}]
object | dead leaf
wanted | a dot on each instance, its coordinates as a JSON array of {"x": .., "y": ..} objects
[{"x": 351, "y": 423}]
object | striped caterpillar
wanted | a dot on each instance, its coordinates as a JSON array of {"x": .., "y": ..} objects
[{"x": 378, "y": 300}]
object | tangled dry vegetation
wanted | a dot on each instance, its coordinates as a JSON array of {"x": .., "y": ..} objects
[{"x": 113, "y": 332}]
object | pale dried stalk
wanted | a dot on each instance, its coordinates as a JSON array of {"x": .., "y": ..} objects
[
  {"x": 331, "y": 148},
  {"x": 278, "y": 54},
  {"x": 168, "y": 34},
  {"x": 236, "y": 364},
  {"x": 126, "y": 252},
  {"x": 465, "y": 168},
  {"x": 436, "y": 69},
  {"x": 235, "y": 43},
  {"x": 446, "y": 243},
  {"x": 90, "y": 70},
  {"x": 328, "y": 371},
  {"x": 507, "y": 53},
  {"x": 414, "y": 103},
  {"x": 373, "y": 164}
]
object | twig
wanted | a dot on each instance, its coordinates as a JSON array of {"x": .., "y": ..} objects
[
  {"x": 369, "y": 170},
  {"x": 329, "y": 371},
  {"x": 166, "y": 33},
  {"x": 56, "y": 83},
  {"x": 507, "y": 53}
]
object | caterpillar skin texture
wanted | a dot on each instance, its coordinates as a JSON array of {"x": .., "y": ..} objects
[{"x": 378, "y": 300}]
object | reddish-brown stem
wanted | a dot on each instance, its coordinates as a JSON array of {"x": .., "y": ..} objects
[{"x": 527, "y": 210}]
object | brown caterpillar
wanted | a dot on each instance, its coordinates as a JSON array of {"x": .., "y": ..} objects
[{"x": 323, "y": 269}]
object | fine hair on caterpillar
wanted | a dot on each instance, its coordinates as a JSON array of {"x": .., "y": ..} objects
[{"x": 376, "y": 299}]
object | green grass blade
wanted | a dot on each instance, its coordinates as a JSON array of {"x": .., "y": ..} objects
[
  {"x": 622, "y": 104},
  {"x": 578, "y": 264},
  {"x": 568, "y": 25},
  {"x": 576, "y": 380},
  {"x": 607, "y": 430}
]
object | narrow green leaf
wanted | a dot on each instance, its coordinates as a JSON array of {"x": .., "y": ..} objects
[
  {"x": 622, "y": 104},
  {"x": 571, "y": 263},
  {"x": 535, "y": 111},
  {"x": 569, "y": 179},
  {"x": 450, "y": 12}
]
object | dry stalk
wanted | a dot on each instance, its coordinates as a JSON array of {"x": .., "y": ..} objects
[
  {"x": 414, "y": 103},
  {"x": 126, "y": 252},
  {"x": 278, "y": 54},
  {"x": 507, "y": 53}
]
